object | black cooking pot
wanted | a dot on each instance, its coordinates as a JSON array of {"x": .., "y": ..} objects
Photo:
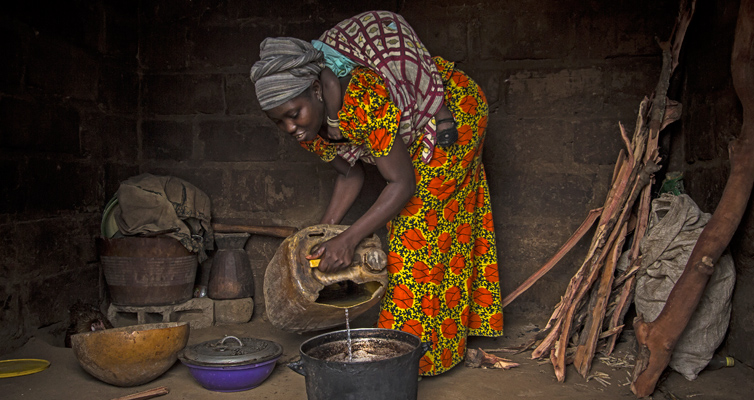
[{"x": 384, "y": 365}]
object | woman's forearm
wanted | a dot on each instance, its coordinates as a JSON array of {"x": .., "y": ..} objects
[{"x": 398, "y": 171}]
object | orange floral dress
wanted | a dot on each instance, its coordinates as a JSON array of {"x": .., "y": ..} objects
[{"x": 442, "y": 256}]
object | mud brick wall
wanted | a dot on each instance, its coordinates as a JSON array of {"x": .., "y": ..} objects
[
  {"x": 99, "y": 92},
  {"x": 68, "y": 102}
]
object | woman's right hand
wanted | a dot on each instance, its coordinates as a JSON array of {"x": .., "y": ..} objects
[
  {"x": 334, "y": 133},
  {"x": 335, "y": 254}
]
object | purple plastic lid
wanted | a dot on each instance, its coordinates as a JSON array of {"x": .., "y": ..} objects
[{"x": 232, "y": 351}]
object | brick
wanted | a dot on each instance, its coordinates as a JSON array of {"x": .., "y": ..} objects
[
  {"x": 121, "y": 32},
  {"x": 55, "y": 186},
  {"x": 247, "y": 190},
  {"x": 536, "y": 241},
  {"x": 524, "y": 140},
  {"x": 540, "y": 93},
  {"x": 110, "y": 137},
  {"x": 290, "y": 192},
  {"x": 607, "y": 31},
  {"x": 183, "y": 94},
  {"x": 12, "y": 198},
  {"x": 78, "y": 23},
  {"x": 164, "y": 47},
  {"x": 443, "y": 37},
  {"x": 509, "y": 35},
  {"x": 119, "y": 88},
  {"x": 240, "y": 97},
  {"x": 36, "y": 126},
  {"x": 58, "y": 68},
  {"x": 236, "y": 140},
  {"x": 15, "y": 46},
  {"x": 597, "y": 141},
  {"x": 626, "y": 84},
  {"x": 167, "y": 140},
  {"x": 224, "y": 46},
  {"x": 544, "y": 194},
  {"x": 198, "y": 312},
  {"x": 49, "y": 247},
  {"x": 308, "y": 30},
  {"x": 235, "y": 311}
]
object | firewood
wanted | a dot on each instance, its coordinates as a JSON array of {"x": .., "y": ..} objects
[
  {"x": 588, "y": 342},
  {"x": 658, "y": 338}
]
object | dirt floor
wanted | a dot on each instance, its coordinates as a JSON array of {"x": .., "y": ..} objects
[{"x": 65, "y": 379}]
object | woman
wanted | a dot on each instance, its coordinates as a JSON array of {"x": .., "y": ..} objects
[{"x": 442, "y": 257}]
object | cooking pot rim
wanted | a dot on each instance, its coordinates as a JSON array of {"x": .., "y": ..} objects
[{"x": 360, "y": 333}]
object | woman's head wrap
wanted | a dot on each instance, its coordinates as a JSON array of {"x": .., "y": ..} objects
[{"x": 287, "y": 67}]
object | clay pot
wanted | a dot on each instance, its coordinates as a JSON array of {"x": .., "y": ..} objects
[
  {"x": 230, "y": 276},
  {"x": 299, "y": 298}
]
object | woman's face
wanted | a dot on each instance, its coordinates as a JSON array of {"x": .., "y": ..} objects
[{"x": 301, "y": 117}]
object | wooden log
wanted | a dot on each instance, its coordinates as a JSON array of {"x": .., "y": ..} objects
[
  {"x": 277, "y": 231},
  {"x": 658, "y": 338},
  {"x": 588, "y": 339},
  {"x": 622, "y": 180}
]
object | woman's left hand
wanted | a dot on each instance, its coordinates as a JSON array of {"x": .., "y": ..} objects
[{"x": 335, "y": 254}]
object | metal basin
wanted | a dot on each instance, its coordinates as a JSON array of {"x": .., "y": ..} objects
[
  {"x": 147, "y": 271},
  {"x": 385, "y": 365}
]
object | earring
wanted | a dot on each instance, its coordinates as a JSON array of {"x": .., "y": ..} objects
[{"x": 319, "y": 97}]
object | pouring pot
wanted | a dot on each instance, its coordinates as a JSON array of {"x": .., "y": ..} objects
[
  {"x": 385, "y": 365},
  {"x": 299, "y": 298}
]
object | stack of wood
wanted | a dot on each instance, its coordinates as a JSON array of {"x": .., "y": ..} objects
[{"x": 590, "y": 314}]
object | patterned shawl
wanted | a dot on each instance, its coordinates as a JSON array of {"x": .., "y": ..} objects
[{"x": 386, "y": 43}]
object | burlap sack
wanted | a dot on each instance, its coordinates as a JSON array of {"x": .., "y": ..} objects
[{"x": 674, "y": 226}]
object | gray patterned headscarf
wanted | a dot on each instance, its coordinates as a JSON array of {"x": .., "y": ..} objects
[{"x": 287, "y": 67}]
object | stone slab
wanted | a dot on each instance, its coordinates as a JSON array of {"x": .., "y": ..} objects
[
  {"x": 198, "y": 312},
  {"x": 235, "y": 311}
]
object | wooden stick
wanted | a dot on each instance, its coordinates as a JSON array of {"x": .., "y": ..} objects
[
  {"x": 621, "y": 180},
  {"x": 278, "y": 231},
  {"x": 582, "y": 360},
  {"x": 658, "y": 338},
  {"x": 575, "y": 238},
  {"x": 147, "y": 394}
]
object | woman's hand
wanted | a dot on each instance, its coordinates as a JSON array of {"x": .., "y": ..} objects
[
  {"x": 335, "y": 254},
  {"x": 334, "y": 133}
]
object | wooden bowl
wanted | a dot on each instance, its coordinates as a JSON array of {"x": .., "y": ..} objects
[{"x": 131, "y": 355}]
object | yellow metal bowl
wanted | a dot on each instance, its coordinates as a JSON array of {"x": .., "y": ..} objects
[{"x": 131, "y": 355}]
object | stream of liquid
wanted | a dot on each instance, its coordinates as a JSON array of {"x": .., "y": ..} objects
[{"x": 348, "y": 331}]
